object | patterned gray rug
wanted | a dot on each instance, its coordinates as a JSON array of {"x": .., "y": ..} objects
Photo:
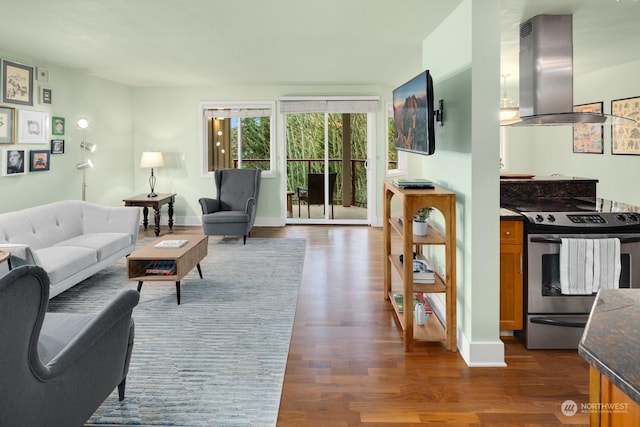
[{"x": 218, "y": 358}]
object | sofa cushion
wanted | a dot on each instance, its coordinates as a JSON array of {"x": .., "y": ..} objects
[
  {"x": 104, "y": 244},
  {"x": 61, "y": 262},
  {"x": 42, "y": 226}
]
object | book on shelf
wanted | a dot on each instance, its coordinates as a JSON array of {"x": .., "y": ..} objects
[
  {"x": 413, "y": 183},
  {"x": 160, "y": 268},
  {"x": 171, "y": 244},
  {"x": 422, "y": 271},
  {"x": 417, "y": 297}
]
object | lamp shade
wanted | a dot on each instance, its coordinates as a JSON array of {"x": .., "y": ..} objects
[
  {"x": 85, "y": 165},
  {"x": 88, "y": 146},
  {"x": 151, "y": 159},
  {"x": 83, "y": 123}
]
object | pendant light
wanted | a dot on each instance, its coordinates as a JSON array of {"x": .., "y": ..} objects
[{"x": 509, "y": 110}]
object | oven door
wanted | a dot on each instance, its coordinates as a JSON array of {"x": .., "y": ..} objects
[{"x": 543, "y": 273}]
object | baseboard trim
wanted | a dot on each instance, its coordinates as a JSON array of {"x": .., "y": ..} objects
[{"x": 475, "y": 354}]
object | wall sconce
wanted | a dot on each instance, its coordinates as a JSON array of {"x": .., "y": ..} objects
[{"x": 152, "y": 159}]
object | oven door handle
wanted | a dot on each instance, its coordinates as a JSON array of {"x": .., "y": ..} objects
[
  {"x": 535, "y": 239},
  {"x": 555, "y": 322}
]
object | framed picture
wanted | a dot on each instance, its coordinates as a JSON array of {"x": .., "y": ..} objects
[
  {"x": 7, "y": 125},
  {"x": 32, "y": 127},
  {"x": 39, "y": 160},
  {"x": 13, "y": 162},
  {"x": 57, "y": 125},
  {"x": 588, "y": 137},
  {"x": 45, "y": 95},
  {"x": 42, "y": 74},
  {"x": 625, "y": 138},
  {"x": 57, "y": 146},
  {"x": 17, "y": 83}
]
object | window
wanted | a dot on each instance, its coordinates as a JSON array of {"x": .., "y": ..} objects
[{"x": 238, "y": 135}]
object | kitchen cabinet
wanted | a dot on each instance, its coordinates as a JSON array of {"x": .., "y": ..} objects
[
  {"x": 411, "y": 201},
  {"x": 610, "y": 344},
  {"x": 610, "y": 406},
  {"x": 511, "y": 276}
]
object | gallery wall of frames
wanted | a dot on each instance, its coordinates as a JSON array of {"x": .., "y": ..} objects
[{"x": 28, "y": 137}]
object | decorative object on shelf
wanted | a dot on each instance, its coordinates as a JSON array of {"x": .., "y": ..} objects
[
  {"x": 588, "y": 137},
  {"x": 32, "y": 127},
  {"x": 7, "y": 125},
  {"x": 83, "y": 125},
  {"x": 419, "y": 314},
  {"x": 45, "y": 95},
  {"x": 420, "y": 224},
  {"x": 57, "y": 146},
  {"x": 13, "y": 162},
  {"x": 152, "y": 159},
  {"x": 509, "y": 110},
  {"x": 39, "y": 160},
  {"x": 57, "y": 125},
  {"x": 625, "y": 137},
  {"x": 17, "y": 83}
]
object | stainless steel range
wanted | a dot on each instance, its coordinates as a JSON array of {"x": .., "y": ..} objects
[{"x": 553, "y": 319}]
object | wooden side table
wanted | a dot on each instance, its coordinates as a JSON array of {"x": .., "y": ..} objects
[{"x": 146, "y": 202}]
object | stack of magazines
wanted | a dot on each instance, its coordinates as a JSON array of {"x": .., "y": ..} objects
[
  {"x": 413, "y": 183},
  {"x": 161, "y": 268},
  {"x": 422, "y": 271}
]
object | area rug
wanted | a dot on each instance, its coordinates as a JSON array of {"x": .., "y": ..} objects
[{"x": 218, "y": 358}]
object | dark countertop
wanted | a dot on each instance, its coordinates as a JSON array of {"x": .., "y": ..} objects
[
  {"x": 611, "y": 341},
  {"x": 552, "y": 178}
]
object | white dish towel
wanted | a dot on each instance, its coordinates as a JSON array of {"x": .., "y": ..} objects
[
  {"x": 606, "y": 264},
  {"x": 588, "y": 265},
  {"x": 576, "y": 266}
]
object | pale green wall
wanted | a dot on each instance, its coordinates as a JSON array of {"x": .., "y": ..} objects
[
  {"x": 167, "y": 120},
  {"x": 548, "y": 150},
  {"x": 467, "y": 44},
  {"x": 75, "y": 94}
]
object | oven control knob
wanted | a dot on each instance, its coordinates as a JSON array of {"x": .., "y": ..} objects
[
  {"x": 551, "y": 218},
  {"x": 539, "y": 218}
]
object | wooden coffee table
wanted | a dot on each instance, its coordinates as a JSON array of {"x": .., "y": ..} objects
[{"x": 184, "y": 258}]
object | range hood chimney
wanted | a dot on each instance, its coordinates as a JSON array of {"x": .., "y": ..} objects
[{"x": 546, "y": 73}]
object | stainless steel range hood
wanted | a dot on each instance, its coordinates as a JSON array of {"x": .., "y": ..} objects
[{"x": 546, "y": 74}]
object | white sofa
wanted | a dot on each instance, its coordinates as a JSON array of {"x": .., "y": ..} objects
[{"x": 71, "y": 240}]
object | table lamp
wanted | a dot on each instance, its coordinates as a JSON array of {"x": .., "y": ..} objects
[{"x": 152, "y": 159}]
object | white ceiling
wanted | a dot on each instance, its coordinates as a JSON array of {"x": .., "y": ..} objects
[{"x": 282, "y": 42}]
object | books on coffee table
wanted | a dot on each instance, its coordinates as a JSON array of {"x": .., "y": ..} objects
[{"x": 171, "y": 244}]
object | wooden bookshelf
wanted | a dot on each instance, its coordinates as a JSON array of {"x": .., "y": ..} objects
[{"x": 412, "y": 200}]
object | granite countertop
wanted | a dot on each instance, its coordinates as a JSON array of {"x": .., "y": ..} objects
[{"x": 611, "y": 342}]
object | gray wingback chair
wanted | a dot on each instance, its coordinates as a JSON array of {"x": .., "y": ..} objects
[
  {"x": 233, "y": 212},
  {"x": 58, "y": 368}
]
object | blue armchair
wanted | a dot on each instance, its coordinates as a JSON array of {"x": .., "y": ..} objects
[
  {"x": 233, "y": 212},
  {"x": 58, "y": 368}
]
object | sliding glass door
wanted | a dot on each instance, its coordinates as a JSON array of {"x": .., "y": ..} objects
[{"x": 327, "y": 172}]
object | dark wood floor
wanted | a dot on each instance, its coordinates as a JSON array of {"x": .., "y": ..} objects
[{"x": 347, "y": 366}]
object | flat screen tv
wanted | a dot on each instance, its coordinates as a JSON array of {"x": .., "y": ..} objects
[{"x": 413, "y": 115}]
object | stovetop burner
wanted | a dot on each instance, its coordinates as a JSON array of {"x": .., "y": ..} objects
[{"x": 582, "y": 220}]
